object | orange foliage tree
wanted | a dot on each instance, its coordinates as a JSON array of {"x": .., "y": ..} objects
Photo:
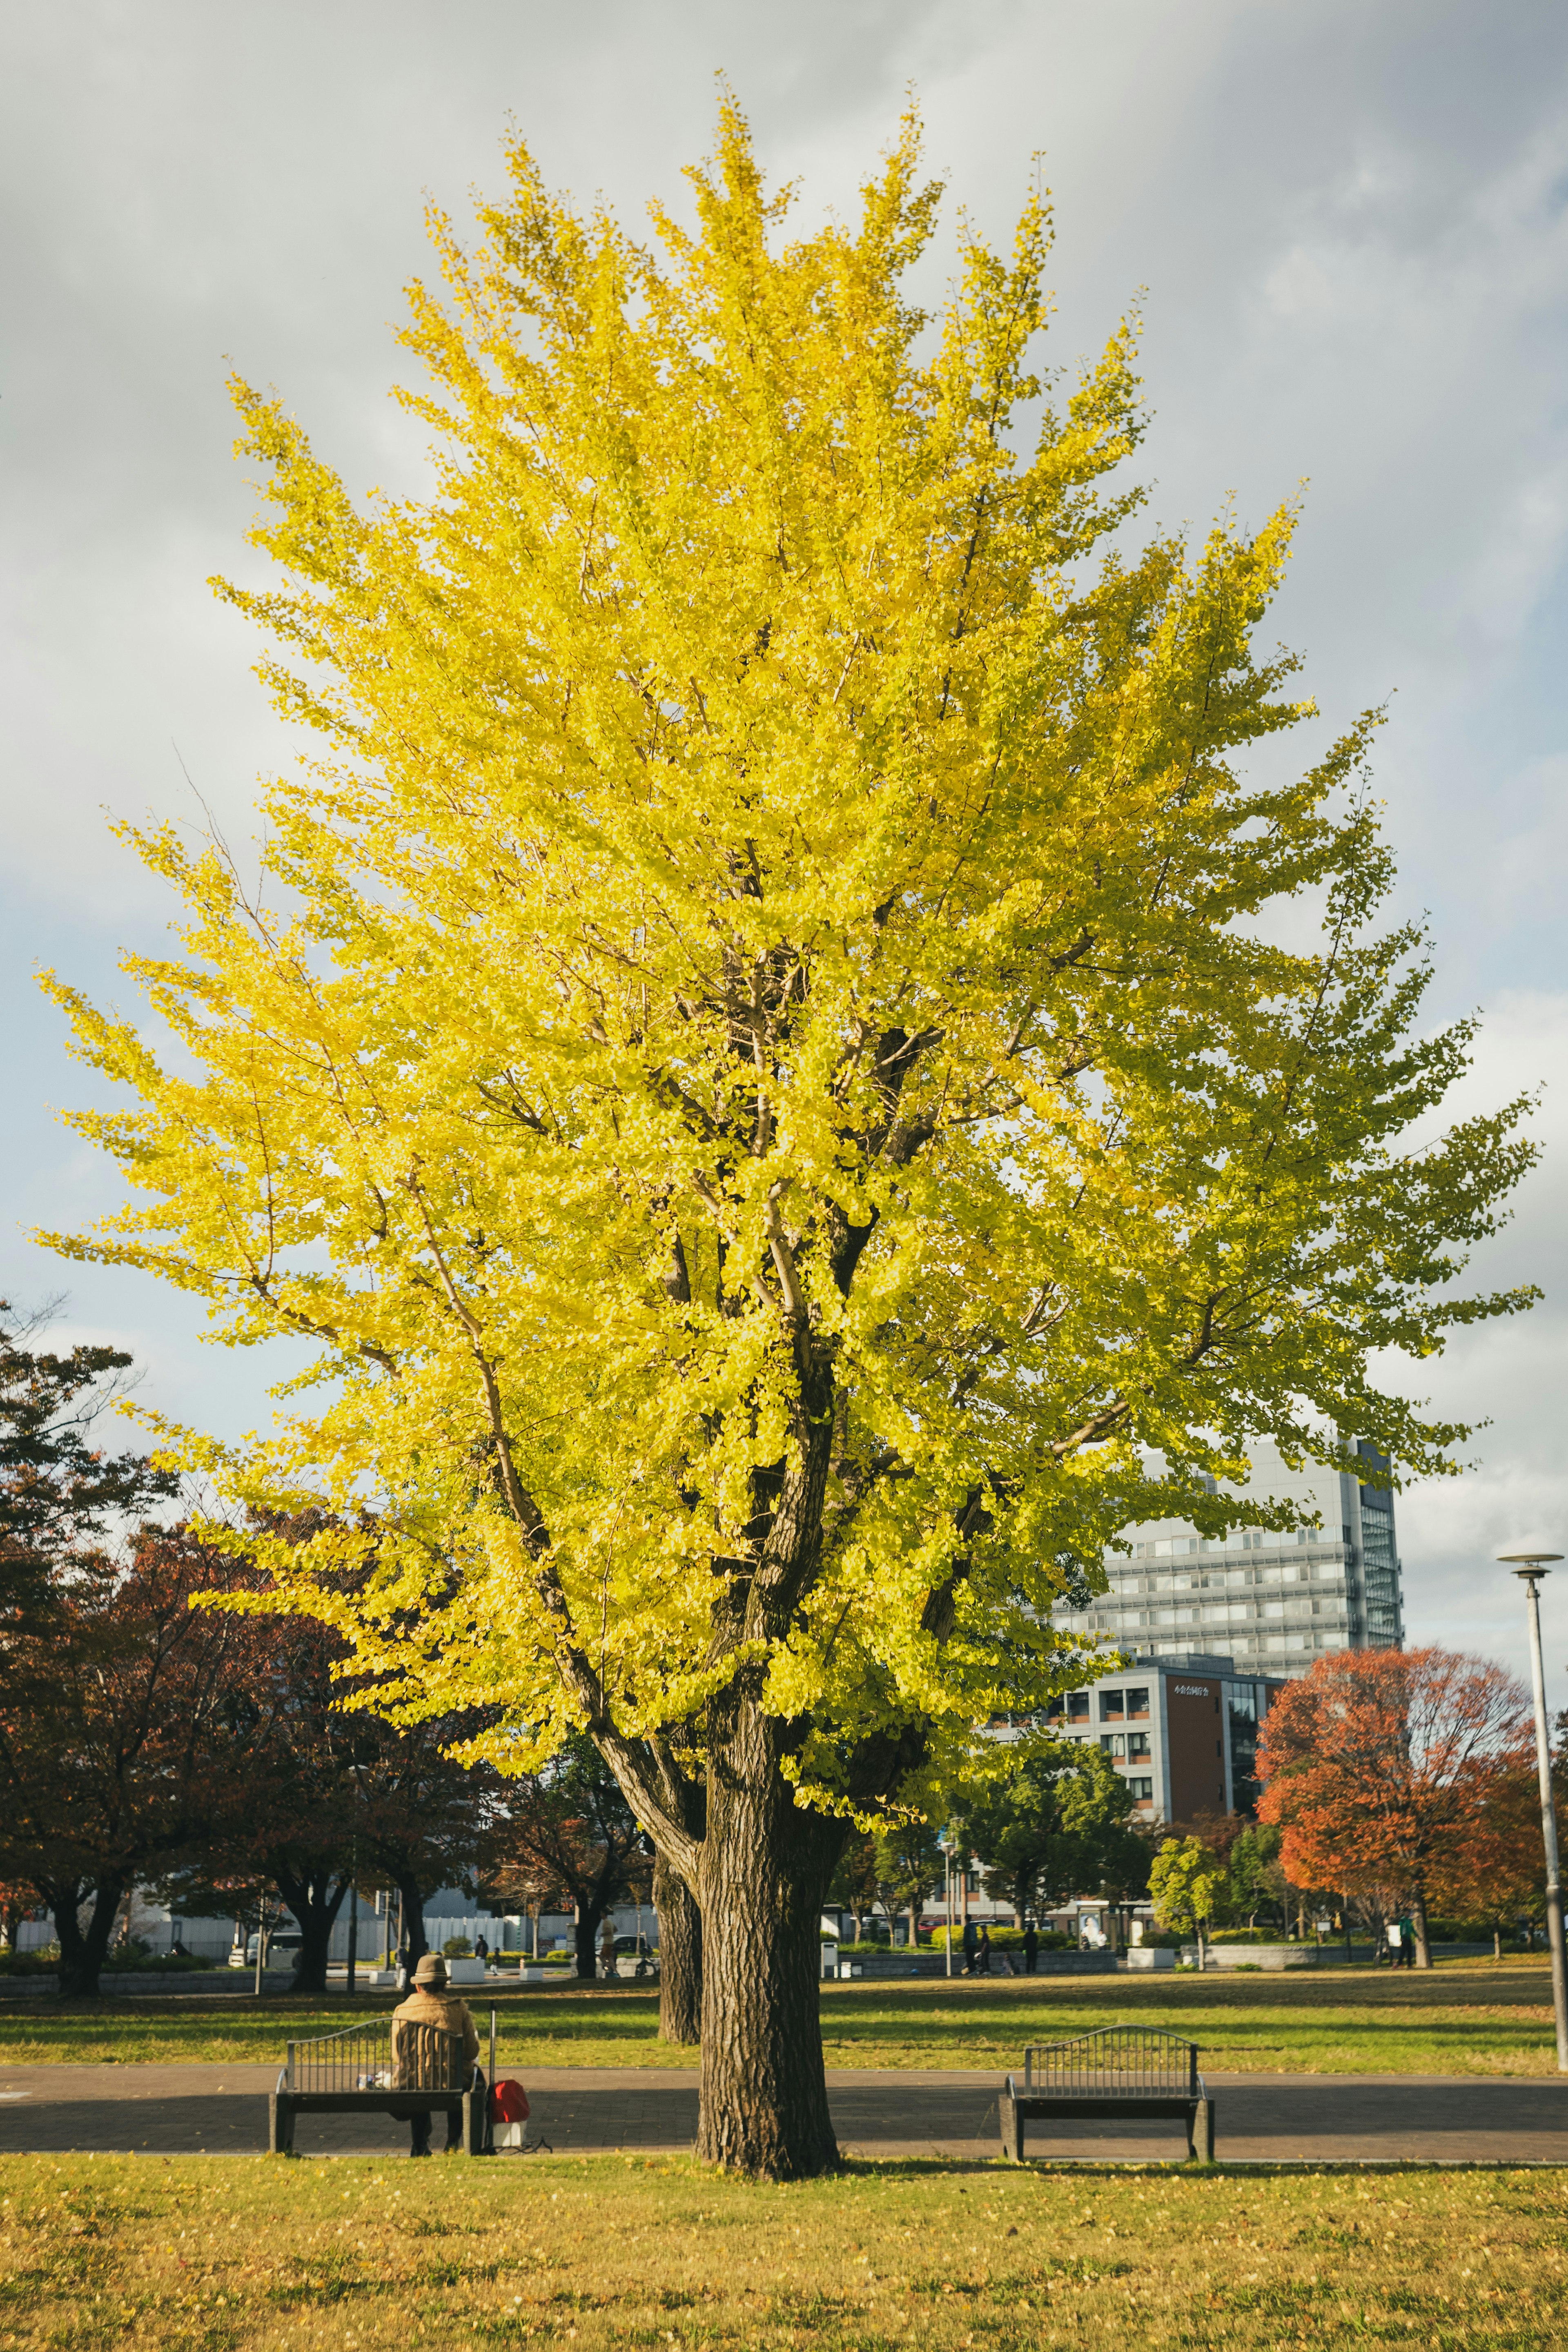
[
  {"x": 1380, "y": 1766},
  {"x": 1497, "y": 1873}
]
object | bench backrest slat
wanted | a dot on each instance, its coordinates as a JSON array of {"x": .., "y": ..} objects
[
  {"x": 357, "y": 2059},
  {"x": 1113, "y": 2062},
  {"x": 426, "y": 2057},
  {"x": 393, "y": 2054}
]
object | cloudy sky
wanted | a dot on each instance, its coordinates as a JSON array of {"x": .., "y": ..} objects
[{"x": 1352, "y": 225}]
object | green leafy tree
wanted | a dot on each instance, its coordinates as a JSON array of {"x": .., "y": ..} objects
[
  {"x": 908, "y": 1867},
  {"x": 1059, "y": 1826},
  {"x": 1184, "y": 1884},
  {"x": 1256, "y": 1874},
  {"x": 62, "y": 1493},
  {"x": 854, "y": 1884}
]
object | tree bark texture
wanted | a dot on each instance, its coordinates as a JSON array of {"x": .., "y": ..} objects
[
  {"x": 1418, "y": 1921},
  {"x": 84, "y": 1951},
  {"x": 764, "y": 1871},
  {"x": 680, "y": 1957}
]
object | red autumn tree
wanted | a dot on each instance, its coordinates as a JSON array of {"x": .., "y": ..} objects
[
  {"x": 1377, "y": 1766},
  {"x": 1497, "y": 1874},
  {"x": 341, "y": 1797},
  {"x": 119, "y": 1752},
  {"x": 568, "y": 1834}
]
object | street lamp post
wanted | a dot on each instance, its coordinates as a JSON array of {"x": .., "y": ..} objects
[
  {"x": 945, "y": 1842},
  {"x": 1530, "y": 1566}
]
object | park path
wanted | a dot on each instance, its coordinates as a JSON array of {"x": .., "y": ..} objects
[{"x": 222, "y": 2111}]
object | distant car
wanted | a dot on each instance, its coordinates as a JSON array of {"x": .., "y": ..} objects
[{"x": 281, "y": 1953}]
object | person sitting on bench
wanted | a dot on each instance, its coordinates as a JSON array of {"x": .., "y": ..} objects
[{"x": 430, "y": 2003}]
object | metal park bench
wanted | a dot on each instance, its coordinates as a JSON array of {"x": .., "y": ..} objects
[
  {"x": 1125, "y": 2070},
  {"x": 353, "y": 2073}
]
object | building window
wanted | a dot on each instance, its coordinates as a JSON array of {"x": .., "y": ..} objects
[
  {"x": 1077, "y": 1707},
  {"x": 1140, "y": 1792},
  {"x": 1110, "y": 1707},
  {"x": 1113, "y": 1743},
  {"x": 1242, "y": 1708},
  {"x": 1137, "y": 1703},
  {"x": 1137, "y": 1744}
]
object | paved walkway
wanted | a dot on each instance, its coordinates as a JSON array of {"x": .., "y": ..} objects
[{"x": 219, "y": 2110}]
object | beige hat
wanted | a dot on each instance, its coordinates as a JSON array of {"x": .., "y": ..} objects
[{"x": 431, "y": 1970}]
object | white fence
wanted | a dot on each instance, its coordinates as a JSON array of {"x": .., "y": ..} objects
[{"x": 213, "y": 1940}]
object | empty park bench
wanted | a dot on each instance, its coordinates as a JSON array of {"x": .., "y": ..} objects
[
  {"x": 353, "y": 2072},
  {"x": 1124, "y": 2070}
]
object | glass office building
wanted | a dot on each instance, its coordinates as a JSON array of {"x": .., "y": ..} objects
[{"x": 1268, "y": 1603}]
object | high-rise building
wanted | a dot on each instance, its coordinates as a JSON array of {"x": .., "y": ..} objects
[{"x": 1273, "y": 1603}]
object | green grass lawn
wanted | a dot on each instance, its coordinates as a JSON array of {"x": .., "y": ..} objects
[
  {"x": 1478, "y": 2017},
  {"x": 224, "y": 2254}
]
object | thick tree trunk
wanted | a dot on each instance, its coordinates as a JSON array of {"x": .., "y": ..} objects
[
  {"x": 414, "y": 1941},
  {"x": 585, "y": 1944},
  {"x": 83, "y": 1953},
  {"x": 765, "y": 1872},
  {"x": 315, "y": 1905},
  {"x": 680, "y": 1957}
]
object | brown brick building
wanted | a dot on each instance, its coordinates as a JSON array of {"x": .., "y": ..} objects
[{"x": 1181, "y": 1730}]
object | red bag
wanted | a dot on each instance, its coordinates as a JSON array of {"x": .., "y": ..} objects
[{"x": 509, "y": 2103}]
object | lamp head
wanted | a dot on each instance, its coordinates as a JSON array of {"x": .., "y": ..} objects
[{"x": 1529, "y": 1564}]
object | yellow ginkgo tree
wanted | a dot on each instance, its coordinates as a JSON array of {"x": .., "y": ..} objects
[{"x": 763, "y": 1062}]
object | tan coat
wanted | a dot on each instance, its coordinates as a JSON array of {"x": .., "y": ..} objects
[{"x": 424, "y": 2007}]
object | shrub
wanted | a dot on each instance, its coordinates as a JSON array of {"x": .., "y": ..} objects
[
  {"x": 1007, "y": 1940},
  {"x": 458, "y": 1948}
]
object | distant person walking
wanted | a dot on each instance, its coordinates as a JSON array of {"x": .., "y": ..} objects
[
  {"x": 1407, "y": 1943},
  {"x": 481, "y": 1949},
  {"x": 983, "y": 1957},
  {"x": 1031, "y": 1948},
  {"x": 971, "y": 1946},
  {"x": 608, "y": 1949}
]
